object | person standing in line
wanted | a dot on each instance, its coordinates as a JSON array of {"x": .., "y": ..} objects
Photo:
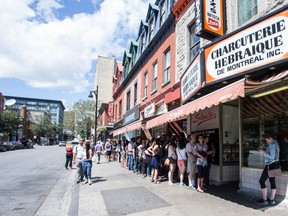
[
  {"x": 119, "y": 150},
  {"x": 108, "y": 149},
  {"x": 69, "y": 155},
  {"x": 147, "y": 156},
  {"x": 155, "y": 160},
  {"x": 98, "y": 150},
  {"x": 130, "y": 153},
  {"x": 87, "y": 162},
  {"x": 136, "y": 158},
  {"x": 181, "y": 157},
  {"x": 78, "y": 152},
  {"x": 201, "y": 163},
  {"x": 171, "y": 146},
  {"x": 271, "y": 157},
  {"x": 191, "y": 162},
  {"x": 210, "y": 155}
]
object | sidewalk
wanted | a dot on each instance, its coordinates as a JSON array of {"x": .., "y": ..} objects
[{"x": 117, "y": 191}]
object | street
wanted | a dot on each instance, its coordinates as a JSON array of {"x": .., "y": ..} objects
[
  {"x": 34, "y": 182},
  {"x": 27, "y": 177}
]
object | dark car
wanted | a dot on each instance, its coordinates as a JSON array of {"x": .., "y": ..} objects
[
  {"x": 18, "y": 144},
  {"x": 27, "y": 143},
  {"x": 2, "y": 147},
  {"x": 9, "y": 145}
]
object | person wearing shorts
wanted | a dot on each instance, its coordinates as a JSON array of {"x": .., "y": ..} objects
[
  {"x": 181, "y": 157},
  {"x": 191, "y": 161}
]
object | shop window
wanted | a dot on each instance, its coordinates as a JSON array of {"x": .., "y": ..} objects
[
  {"x": 262, "y": 115},
  {"x": 246, "y": 10},
  {"x": 230, "y": 134}
]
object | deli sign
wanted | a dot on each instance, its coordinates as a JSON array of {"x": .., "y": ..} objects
[
  {"x": 191, "y": 80},
  {"x": 256, "y": 46},
  {"x": 149, "y": 110},
  {"x": 209, "y": 18}
]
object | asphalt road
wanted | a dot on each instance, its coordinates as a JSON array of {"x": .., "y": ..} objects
[{"x": 27, "y": 178}]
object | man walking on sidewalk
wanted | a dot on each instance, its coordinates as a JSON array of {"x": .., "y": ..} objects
[{"x": 78, "y": 153}]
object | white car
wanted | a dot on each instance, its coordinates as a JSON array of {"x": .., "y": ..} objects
[{"x": 62, "y": 143}]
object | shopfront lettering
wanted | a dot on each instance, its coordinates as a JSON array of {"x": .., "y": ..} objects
[
  {"x": 254, "y": 46},
  {"x": 201, "y": 117},
  {"x": 149, "y": 110},
  {"x": 191, "y": 80},
  {"x": 175, "y": 115}
]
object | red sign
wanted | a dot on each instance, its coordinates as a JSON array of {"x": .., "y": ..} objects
[{"x": 110, "y": 112}]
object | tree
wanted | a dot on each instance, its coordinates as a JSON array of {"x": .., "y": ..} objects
[
  {"x": 8, "y": 122},
  {"x": 80, "y": 118},
  {"x": 41, "y": 126}
]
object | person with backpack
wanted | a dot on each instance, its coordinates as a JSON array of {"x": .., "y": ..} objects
[{"x": 78, "y": 153}]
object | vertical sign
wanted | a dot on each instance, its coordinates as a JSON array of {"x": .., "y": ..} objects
[{"x": 209, "y": 18}]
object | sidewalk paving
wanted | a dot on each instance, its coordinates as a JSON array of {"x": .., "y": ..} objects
[{"x": 118, "y": 191}]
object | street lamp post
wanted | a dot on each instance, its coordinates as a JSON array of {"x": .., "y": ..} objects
[{"x": 96, "y": 112}]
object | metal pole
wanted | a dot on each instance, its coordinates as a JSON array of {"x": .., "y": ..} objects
[{"x": 96, "y": 112}]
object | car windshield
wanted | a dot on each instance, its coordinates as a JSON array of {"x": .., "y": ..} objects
[{"x": 75, "y": 143}]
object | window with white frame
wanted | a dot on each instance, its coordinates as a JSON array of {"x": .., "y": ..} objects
[
  {"x": 151, "y": 28},
  {"x": 154, "y": 77},
  {"x": 145, "y": 84},
  {"x": 133, "y": 59},
  {"x": 162, "y": 12},
  {"x": 246, "y": 10},
  {"x": 128, "y": 99},
  {"x": 135, "y": 92},
  {"x": 143, "y": 41},
  {"x": 166, "y": 77},
  {"x": 120, "y": 108},
  {"x": 194, "y": 42}
]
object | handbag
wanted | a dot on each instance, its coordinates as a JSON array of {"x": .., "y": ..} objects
[
  {"x": 167, "y": 161},
  {"x": 274, "y": 169}
]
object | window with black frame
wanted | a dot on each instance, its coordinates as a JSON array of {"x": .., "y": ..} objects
[{"x": 194, "y": 43}]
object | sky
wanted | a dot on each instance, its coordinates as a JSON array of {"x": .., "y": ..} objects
[{"x": 49, "y": 48}]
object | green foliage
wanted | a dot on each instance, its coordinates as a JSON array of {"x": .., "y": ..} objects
[
  {"x": 42, "y": 126},
  {"x": 8, "y": 122},
  {"x": 80, "y": 118}
]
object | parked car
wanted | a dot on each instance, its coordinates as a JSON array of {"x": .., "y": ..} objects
[
  {"x": 27, "y": 143},
  {"x": 18, "y": 144},
  {"x": 2, "y": 147},
  {"x": 74, "y": 143},
  {"x": 62, "y": 143},
  {"x": 9, "y": 146}
]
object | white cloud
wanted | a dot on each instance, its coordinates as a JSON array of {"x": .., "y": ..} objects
[{"x": 57, "y": 54}]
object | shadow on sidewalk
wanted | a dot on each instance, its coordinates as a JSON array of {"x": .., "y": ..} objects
[
  {"x": 98, "y": 179},
  {"x": 230, "y": 192}
]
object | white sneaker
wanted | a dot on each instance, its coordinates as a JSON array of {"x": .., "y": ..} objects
[
  {"x": 85, "y": 182},
  {"x": 89, "y": 181},
  {"x": 191, "y": 187}
]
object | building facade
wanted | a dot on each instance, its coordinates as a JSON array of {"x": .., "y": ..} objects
[
  {"x": 228, "y": 80},
  {"x": 53, "y": 108},
  {"x": 148, "y": 73},
  {"x": 104, "y": 76}
]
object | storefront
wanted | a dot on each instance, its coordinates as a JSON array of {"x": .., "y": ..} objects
[
  {"x": 264, "y": 110},
  {"x": 258, "y": 53}
]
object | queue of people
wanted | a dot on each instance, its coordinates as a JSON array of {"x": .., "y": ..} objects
[{"x": 188, "y": 158}]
